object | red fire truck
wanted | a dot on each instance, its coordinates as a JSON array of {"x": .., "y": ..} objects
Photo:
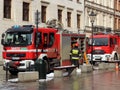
[
  {"x": 105, "y": 47},
  {"x": 22, "y": 45}
]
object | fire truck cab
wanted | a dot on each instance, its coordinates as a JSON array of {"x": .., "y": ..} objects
[
  {"x": 104, "y": 47},
  {"x": 22, "y": 45}
]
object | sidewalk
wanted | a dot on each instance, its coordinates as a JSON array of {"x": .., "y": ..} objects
[{"x": 1, "y": 63}]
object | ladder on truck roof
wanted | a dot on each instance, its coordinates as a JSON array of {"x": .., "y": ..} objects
[
  {"x": 54, "y": 23},
  {"x": 117, "y": 32}
]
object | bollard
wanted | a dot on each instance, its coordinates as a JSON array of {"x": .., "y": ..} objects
[
  {"x": 29, "y": 66},
  {"x": 117, "y": 67},
  {"x": 7, "y": 71},
  {"x": 40, "y": 66}
]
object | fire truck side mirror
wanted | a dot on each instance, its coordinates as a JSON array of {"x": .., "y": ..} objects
[
  {"x": 3, "y": 35},
  {"x": 2, "y": 40}
]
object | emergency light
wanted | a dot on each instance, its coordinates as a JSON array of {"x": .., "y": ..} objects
[{"x": 16, "y": 26}]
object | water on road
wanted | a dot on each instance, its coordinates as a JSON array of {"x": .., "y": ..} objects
[{"x": 96, "y": 80}]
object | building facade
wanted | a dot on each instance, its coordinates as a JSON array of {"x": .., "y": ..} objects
[
  {"x": 117, "y": 15},
  {"x": 105, "y": 14},
  {"x": 19, "y": 12}
]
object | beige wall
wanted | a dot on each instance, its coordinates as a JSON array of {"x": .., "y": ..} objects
[
  {"x": 104, "y": 10},
  {"x": 52, "y": 6}
]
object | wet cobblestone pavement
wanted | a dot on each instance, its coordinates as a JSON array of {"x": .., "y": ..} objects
[{"x": 96, "y": 80}]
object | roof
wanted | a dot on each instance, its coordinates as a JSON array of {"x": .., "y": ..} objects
[{"x": 19, "y": 29}]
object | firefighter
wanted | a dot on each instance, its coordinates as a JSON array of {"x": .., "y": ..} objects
[
  {"x": 20, "y": 38},
  {"x": 75, "y": 55}
]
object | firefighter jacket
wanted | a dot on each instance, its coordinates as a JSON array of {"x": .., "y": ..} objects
[{"x": 75, "y": 54}]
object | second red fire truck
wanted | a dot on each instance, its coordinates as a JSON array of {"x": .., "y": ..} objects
[
  {"x": 105, "y": 47},
  {"x": 22, "y": 45}
]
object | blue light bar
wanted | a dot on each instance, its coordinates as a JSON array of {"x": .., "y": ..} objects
[{"x": 16, "y": 26}]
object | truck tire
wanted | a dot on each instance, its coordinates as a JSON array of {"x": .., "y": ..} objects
[
  {"x": 12, "y": 72},
  {"x": 115, "y": 57}
]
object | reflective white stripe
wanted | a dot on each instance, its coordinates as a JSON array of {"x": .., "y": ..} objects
[
  {"x": 75, "y": 57},
  {"x": 32, "y": 50}
]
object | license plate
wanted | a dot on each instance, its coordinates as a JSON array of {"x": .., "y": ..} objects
[
  {"x": 15, "y": 58},
  {"x": 97, "y": 57}
]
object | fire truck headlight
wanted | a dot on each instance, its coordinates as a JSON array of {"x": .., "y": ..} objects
[{"x": 107, "y": 56}]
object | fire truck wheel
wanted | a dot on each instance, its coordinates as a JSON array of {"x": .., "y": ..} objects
[
  {"x": 13, "y": 72},
  {"x": 115, "y": 57}
]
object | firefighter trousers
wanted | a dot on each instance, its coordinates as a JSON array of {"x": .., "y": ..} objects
[{"x": 75, "y": 62}]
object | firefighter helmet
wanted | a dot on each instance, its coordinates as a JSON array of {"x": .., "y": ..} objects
[{"x": 76, "y": 45}]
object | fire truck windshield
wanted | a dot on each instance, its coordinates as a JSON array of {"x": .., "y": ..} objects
[
  {"x": 17, "y": 39},
  {"x": 99, "y": 41}
]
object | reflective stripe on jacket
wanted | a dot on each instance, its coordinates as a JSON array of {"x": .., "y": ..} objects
[
  {"x": 76, "y": 58},
  {"x": 75, "y": 53}
]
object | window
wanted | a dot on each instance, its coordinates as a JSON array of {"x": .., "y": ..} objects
[
  {"x": 115, "y": 40},
  {"x": 119, "y": 5},
  {"x": 25, "y": 11},
  {"x": 118, "y": 23},
  {"x": 115, "y": 6},
  {"x": 17, "y": 39},
  {"x": 78, "y": 20},
  {"x": 7, "y": 9},
  {"x": 69, "y": 19},
  {"x": 98, "y": 41},
  {"x": 43, "y": 14},
  {"x": 111, "y": 42},
  {"x": 78, "y": 1},
  {"x": 38, "y": 38},
  {"x": 51, "y": 39},
  {"x": 115, "y": 23},
  {"x": 45, "y": 37},
  {"x": 60, "y": 15}
]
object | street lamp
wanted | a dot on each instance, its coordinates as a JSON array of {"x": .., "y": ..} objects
[
  {"x": 92, "y": 16},
  {"x": 37, "y": 21}
]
